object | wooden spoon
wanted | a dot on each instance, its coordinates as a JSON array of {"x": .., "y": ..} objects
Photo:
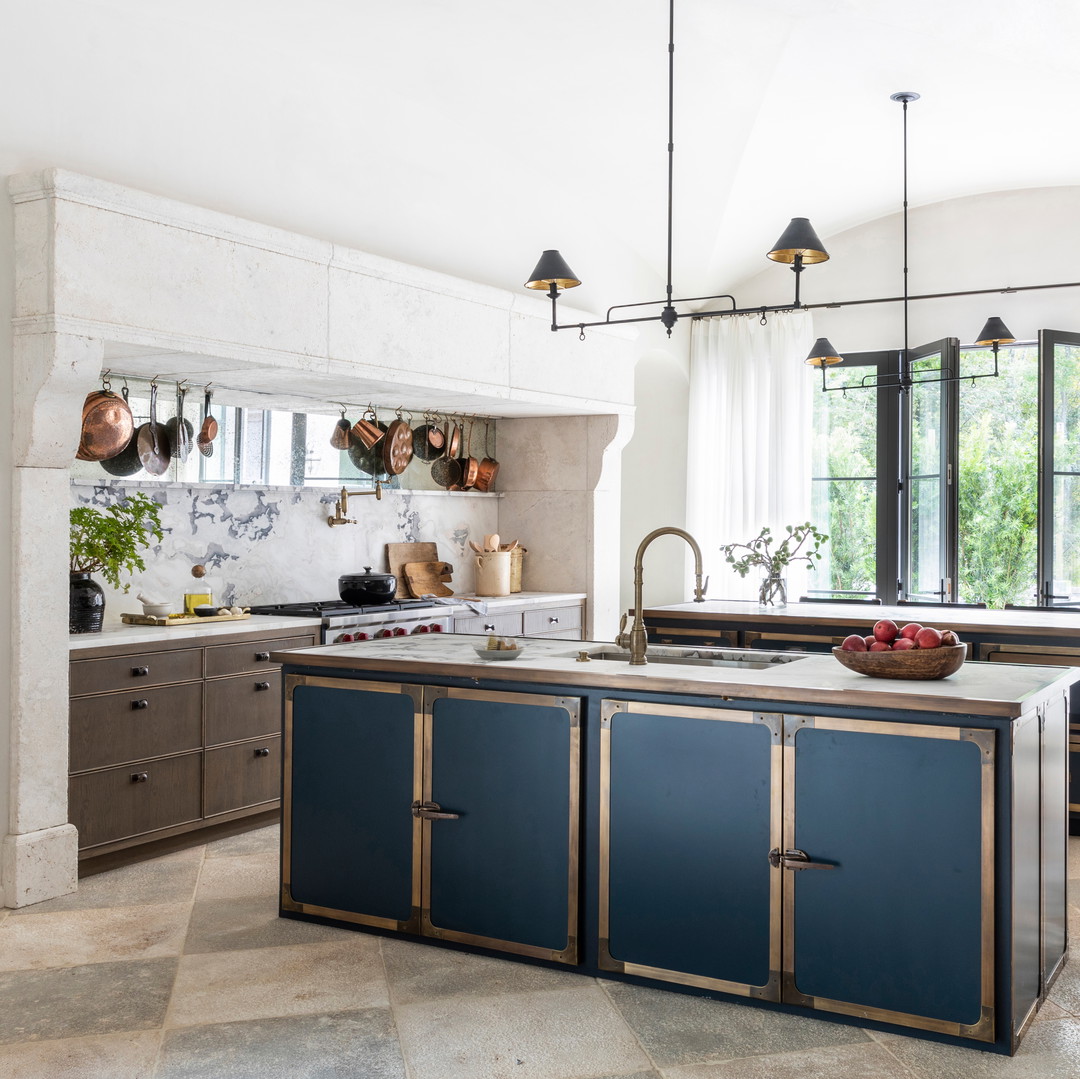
[{"x": 491, "y": 543}]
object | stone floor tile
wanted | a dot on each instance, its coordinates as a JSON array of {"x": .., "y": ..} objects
[
  {"x": 169, "y": 879},
  {"x": 75, "y": 1002},
  {"x": 863, "y": 1061},
  {"x": 98, "y": 935},
  {"x": 349, "y": 1045},
  {"x": 219, "y": 925},
  {"x": 1064, "y": 993},
  {"x": 239, "y": 875},
  {"x": 678, "y": 1029},
  {"x": 1050, "y": 1010},
  {"x": 112, "y": 1056},
  {"x": 548, "y": 1034},
  {"x": 1049, "y": 1051},
  {"x": 257, "y": 841},
  {"x": 421, "y": 972},
  {"x": 300, "y": 979}
]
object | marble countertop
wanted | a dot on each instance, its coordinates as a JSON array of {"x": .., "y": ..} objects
[
  {"x": 522, "y": 599},
  {"x": 122, "y": 634},
  {"x": 962, "y": 619},
  {"x": 984, "y": 689}
]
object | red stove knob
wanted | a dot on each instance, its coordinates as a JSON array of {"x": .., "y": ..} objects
[
  {"x": 400, "y": 631},
  {"x": 422, "y": 629},
  {"x": 383, "y": 633},
  {"x": 343, "y": 638},
  {"x": 435, "y": 627},
  {"x": 361, "y": 636}
]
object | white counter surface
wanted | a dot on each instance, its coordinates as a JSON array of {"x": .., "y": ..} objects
[
  {"x": 986, "y": 689},
  {"x": 123, "y": 634}
]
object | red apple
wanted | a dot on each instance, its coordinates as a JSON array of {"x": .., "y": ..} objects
[
  {"x": 928, "y": 637},
  {"x": 854, "y": 643},
  {"x": 910, "y": 630},
  {"x": 949, "y": 638},
  {"x": 869, "y": 641},
  {"x": 885, "y": 630},
  {"x": 902, "y": 644},
  {"x": 880, "y": 646}
]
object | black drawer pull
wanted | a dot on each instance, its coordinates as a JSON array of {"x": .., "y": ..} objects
[
  {"x": 139, "y": 672},
  {"x": 262, "y": 751},
  {"x": 262, "y": 685},
  {"x": 262, "y": 657},
  {"x": 552, "y": 620},
  {"x": 489, "y": 627},
  {"x": 143, "y": 703},
  {"x": 140, "y": 777}
]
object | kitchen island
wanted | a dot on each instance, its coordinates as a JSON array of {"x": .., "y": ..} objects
[{"x": 767, "y": 826}]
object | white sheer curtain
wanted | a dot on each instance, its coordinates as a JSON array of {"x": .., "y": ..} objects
[{"x": 749, "y": 438}]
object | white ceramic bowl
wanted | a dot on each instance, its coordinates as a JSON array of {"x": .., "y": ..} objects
[
  {"x": 157, "y": 610},
  {"x": 490, "y": 654}
]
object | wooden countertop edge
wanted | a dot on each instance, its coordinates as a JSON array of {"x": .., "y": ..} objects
[{"x": 656, "y": 683}]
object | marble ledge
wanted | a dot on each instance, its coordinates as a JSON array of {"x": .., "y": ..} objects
[{"x": 121, "y": 634}]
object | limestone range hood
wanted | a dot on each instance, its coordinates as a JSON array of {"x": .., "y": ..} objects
[{"x": 109, "y": 277}]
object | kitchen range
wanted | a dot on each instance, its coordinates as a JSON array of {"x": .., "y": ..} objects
[{"x": 343, "y": 622}]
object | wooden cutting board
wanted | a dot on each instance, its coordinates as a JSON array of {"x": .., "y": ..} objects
[
  {"x": 181, "y": 620},
  {"x": 398, "y": 554},
  {"x": 428, "y": 578}
]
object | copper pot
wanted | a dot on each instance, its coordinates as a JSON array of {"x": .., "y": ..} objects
[
  {"x": 368, "y": 431},
  {"x": 397, "y": 447},
  {"x": 107, "y": 426},
  {"x": 470, "y": 466},
  {"x": 488, "y": 468}
]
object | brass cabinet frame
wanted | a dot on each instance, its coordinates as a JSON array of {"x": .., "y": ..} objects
[
  {"x": 832, "y": 639},
  {"x": 983, "y": 1030},
  {"x": 606, "y": 961},
  {"x": 292, "y": 682},
  {"x": 572, "y": 705}
]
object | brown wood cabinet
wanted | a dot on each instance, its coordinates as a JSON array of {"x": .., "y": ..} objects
[{"x": 174, "y": 737}]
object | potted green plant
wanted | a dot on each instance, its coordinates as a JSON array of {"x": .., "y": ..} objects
[
  {"x": 108, "y": 541},
  {"x": 773, "y": 563}
]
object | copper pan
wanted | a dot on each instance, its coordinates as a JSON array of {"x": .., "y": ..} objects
[
  {"x": 126, "y": 462},
  {"x": 488, "y": 468},
  {"x": 107, "y": 425},
  {"x": 428, "y": 438},
  {"x": 397, "y": 446},
  {"x": 368, "y": 431},
  {"x": 446, "y": 470},
  {"x": 369, "y": 461},
  {"x": 470, "y": 466}
]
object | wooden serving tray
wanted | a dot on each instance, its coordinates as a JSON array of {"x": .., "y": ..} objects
[{"x": 183, "y": 620}]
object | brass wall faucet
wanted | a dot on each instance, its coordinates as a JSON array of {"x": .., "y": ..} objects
[
  {"x": 637, "y": 639},
  {"x": 341, "y": 506}
]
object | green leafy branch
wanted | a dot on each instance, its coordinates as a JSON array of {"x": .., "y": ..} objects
[
  {"x": 759, "y": 550},
  {"x": 109, "y": 541}
]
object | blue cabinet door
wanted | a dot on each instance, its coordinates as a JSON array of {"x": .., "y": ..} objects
[
  {"x": 690, "y": 809},
  {"x": 502, "y": 873},
  {"x": 352, "y": 774},
  {"x": 900, "y": 927}
]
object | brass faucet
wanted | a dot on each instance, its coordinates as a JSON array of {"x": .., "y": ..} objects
[
  {"x": 637, "y": 639},
  {"x": 341, "y": 506}
]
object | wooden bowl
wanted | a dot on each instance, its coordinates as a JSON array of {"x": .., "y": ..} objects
[{"x": 921, "y": 663}]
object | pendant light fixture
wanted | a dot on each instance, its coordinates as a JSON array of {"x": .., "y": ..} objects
[
  {"x": 994, "y": 333},
  {"x": 798, "y": 246}
]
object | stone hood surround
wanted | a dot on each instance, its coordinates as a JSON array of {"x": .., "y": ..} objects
[{"x": 110, "y": 277}]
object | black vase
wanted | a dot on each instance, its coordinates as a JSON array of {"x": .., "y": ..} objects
[{"x": 86, "y": 606}]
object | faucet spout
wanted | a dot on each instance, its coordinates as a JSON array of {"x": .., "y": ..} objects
[{"x": 637, "y": 639}]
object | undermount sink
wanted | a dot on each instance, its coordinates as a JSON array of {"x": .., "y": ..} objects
[{"x": 701, "y": 657}]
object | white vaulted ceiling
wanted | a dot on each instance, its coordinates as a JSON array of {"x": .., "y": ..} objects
[{"x": 467, "y": 136}]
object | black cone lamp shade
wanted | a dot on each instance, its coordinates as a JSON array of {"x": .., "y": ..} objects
[
  {"x": 823, "y": 354},
  {"x": 552, "y": 270},
  {"x": 995, "y": 332},
  {"x": 799, "y": 238}
]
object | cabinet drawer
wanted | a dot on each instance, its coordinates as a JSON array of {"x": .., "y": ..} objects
[
  {"x": 224, "y": 659},
  {"x": 135, "y": 799},
  {"x": 243, "y": 707},
  {"x": 508, "y": 624},
  {"x": 561, "y": 635},
  {"x": 243, "y": 775},
  {"x": 552, "y": 620},
  {"x": 133, "y": 726},
  {"x": 146, "y": 669}
]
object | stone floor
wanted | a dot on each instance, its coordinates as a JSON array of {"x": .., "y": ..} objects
[{"x": 179, "y": 967}]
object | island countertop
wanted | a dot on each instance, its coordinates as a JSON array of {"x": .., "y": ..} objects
[{"x": 986, "y": 689}]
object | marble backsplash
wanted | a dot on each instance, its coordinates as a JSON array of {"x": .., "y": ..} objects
[{"x": 273, "y": 545}]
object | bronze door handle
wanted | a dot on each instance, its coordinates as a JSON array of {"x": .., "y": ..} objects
[
  {"x": 432, "y": 811},
  {"x": 795, "y": 859}
]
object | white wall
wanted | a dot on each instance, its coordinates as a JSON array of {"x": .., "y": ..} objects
[{"x": 7, "y": 295}]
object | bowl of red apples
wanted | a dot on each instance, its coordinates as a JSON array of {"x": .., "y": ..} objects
[{"x": 911, "y": 651}]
